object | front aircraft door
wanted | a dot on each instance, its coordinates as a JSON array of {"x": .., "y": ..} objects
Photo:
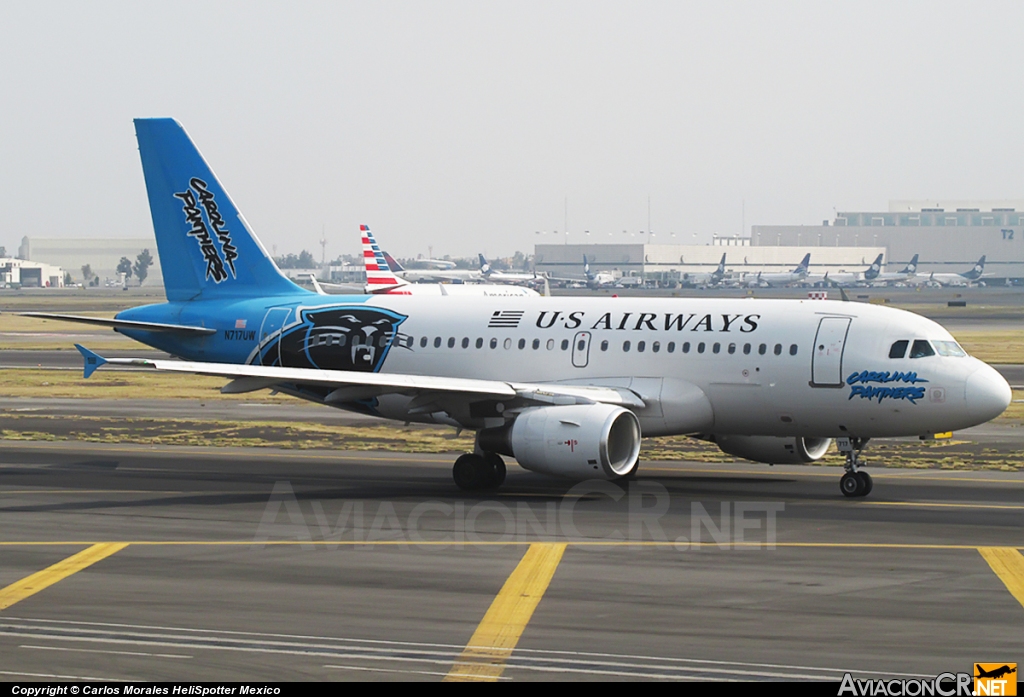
[
  {"x": 272, "y": 322},
  {"x": 827, "y": 359},
  {"x": 581, "y": 349}
]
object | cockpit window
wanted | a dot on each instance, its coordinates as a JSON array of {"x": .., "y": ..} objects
[
  {"x": 948, "y": 348},
  {"x": 899, "y": 349},
  {"x": 921, "y": 348}
]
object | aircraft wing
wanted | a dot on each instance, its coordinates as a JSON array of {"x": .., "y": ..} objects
[
  {"x": 351, "y": 385},
  {"x": 123, "y": 323}
]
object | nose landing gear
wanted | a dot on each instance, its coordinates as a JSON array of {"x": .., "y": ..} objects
[{"x": 855, "y": 482}]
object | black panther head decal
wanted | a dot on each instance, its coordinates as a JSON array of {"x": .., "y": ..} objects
[{"x": 340, "y": 337}]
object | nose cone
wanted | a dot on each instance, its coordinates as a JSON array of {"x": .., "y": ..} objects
[{"x": 987, "y": 394}]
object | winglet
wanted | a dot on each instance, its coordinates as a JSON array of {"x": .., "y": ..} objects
[{"x": 92, "y": 360}]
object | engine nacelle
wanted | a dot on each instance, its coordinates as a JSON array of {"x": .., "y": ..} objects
[
  {"x": 775, "y": 450},
  {"x": 578, "y": 441}
]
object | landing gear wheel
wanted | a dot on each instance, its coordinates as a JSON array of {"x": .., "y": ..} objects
[
  {"x": 497, "y": 469},
  {"x": 851, "y": 485},
  {"x": 865, "y": 483},
  {"x": 469, "y": 472}
]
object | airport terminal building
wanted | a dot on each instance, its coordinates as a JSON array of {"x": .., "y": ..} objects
[
  {"x": 102, "y": 255},
  {"x": 948, "y": 236}
]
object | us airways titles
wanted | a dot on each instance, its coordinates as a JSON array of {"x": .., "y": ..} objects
[{"x": 654, "y": 321}]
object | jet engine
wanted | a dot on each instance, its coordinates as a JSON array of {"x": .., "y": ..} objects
[
  {"x": 577, "y": 441},
  {"x": 775, "y": 450}
]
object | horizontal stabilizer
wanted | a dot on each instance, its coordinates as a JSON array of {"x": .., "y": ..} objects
[
  {"x": 92, "y": 360},
  {"x": 123, "y": 323}
]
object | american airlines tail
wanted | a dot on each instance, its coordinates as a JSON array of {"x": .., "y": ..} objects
[
  {"x": 379, "y": 276},
  {"x": 206, "y": 248}
]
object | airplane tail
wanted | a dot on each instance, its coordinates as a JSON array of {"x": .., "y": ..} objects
[
  {"x": 804, "y": 264},
  {"x": 911, "y": 268},
  {"x": 485, "y": 268},
  {"x": 721, "y": 266},
  {"x": 392, "y": 263},
  {"x": 206, "y": 248},
  {"x": 586, "y": 268},
  {"x": 875, "y": 269},
  {"x": 978, "y": 271},
  {"x": 378, "y": 273}
]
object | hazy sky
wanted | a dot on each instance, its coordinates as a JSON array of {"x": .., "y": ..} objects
[{"x": 465, "y": 125}]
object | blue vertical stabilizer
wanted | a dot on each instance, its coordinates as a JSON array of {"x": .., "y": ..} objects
[{"x": 207, "y": 250}]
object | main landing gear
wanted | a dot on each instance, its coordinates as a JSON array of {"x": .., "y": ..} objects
[
  {"x": 484, "y": 472},
  {"x": 855, "y": 482}
]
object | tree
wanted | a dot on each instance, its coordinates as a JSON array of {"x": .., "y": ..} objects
[
  {"x": 142, "y": 264},
  {"x": 87, "y": 273},
  {"x": 125, "y": 266},
  {"x": 3, "y": 252}
]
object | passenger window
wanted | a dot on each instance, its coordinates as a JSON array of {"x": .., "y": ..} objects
[
  {"x": 700, "y": 347},
  {"x": 792, "y": 349},
  {"x": 423, "y": 342},
  {"x": 716, "y": 348},
  {"x": 625, "y": 346},
  {"x": 762, "y": 349},
  {"x": 921, "y": 349},
  {"x": 899, "y": 349},
  {"x": 465, "y": 342},
  {"x": 437, "y": 342},
  {"x": 451, "y": 342},
  {"x": 656, "y": 346},
  {"x": 565, "y": 344},
  {"x": 640, "y": 346},
  {"x": 536, "y": 344},
  {"x": 686, "y": 347},
  {"x": 581, "y": 345},
  {"x": 732, "y": 348},
  {"x": 522, "y": 344},
  {"x": 604, "y": 345},
  {"x": 778, "y": 349},
  {"x": 479, "y": 343},
  {"x": 746, "y": 349},
  {"x": 508, "y": 343},
  {"x": 494, "y": 343},
  {"x": 551, "y": 344},
  {"x": 671, "y": 347}
]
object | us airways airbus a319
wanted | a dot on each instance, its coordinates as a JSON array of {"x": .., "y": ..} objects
[{"x": 568, "y": 385}]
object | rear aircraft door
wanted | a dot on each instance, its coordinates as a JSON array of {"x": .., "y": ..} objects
[
  {"x": 581, "y": 349},
  {"x": 827, "y": 359},
  {"x": 272, "y": 322}
]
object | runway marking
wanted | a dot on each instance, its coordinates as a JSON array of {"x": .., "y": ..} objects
[
  {"x": 118, "y": 653},
  {"x": 55, "y": 677},
  {"x": 1008, "y": 564},
  {"x": 908, "y": 475},
  {"x": 393, "y": 670},
  {"x": 30, "y": 585},
  {"x": 498, "y": 633},
  {"x": 941, "y": 505},
  {"x": 494, "y": 543}
]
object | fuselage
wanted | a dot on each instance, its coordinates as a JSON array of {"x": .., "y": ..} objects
[{"x": 725, "y": 366}]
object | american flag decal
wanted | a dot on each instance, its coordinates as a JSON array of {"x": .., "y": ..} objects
[{"x": 505, "y": 319}]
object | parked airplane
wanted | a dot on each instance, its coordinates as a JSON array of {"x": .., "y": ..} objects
[
  {"x": 844, "y": 279},
  {"x": 708, "y": 279},
  {"x": 599, "y": 279},
  {"x": 566, "y": 385},
  {"x": 380, "y": 279},
  {"x": 904, "y": 275},
  {"x": 495, "y": 276},
  {"x": 959, "y": 279},
  {"x": 797, "y": 275}
]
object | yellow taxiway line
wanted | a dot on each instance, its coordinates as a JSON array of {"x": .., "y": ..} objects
[
  {"x": 30, "y": 585},
  {"x": 496, "y": 637},
  {"x": 1008, "y": 564}
]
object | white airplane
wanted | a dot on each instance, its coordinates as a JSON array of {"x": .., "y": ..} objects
[
  {"x": 381, "y": 280},
  {"x": 600, "y": 279},
  {"x": 904, "y": 275},
  {"x": 844, "y": 279},
  {"x": 495, "y": 276},
  {"x": 567, "y": 386},
  {"x": 797, "y": 275},
  {"x": 714, "y": 278},
  {"x": 959, "y": 279}
]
